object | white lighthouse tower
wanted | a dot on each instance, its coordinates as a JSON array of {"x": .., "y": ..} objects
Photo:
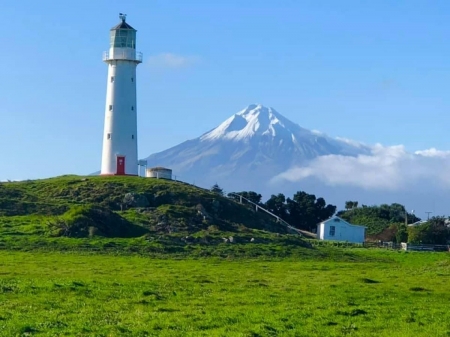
[{"x": 120, "y": 154}]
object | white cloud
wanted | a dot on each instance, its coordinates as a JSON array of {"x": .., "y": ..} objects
[
  {"x": 350, "y": 142},
  {"x": 433, "y": 153},
  {"x": 387, "y": 168},
  {"x": 172, "y": 61}
]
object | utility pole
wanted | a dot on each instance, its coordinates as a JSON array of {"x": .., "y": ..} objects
[{"x": 428, "y": 214}]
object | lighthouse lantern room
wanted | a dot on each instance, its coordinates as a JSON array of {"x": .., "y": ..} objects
[{"x": 120, "y": 152}]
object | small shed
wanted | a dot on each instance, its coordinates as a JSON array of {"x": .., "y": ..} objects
[
  {"x": 159, "y": 172},
  {"x": 338, "y": 229}
]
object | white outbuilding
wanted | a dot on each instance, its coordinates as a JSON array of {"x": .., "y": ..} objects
[
  {"x": 338, "y": 229},
  {"x": 159, "y": 173}
]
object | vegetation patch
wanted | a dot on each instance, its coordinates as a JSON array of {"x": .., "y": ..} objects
[
  {"x": 89, "y": 221},
  {"x": 368, "y": 280},
  {"x": 418, "y": 289},
  {"x": 73, "y": 294}
]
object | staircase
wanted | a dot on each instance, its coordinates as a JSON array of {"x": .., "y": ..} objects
[{"x": 290, "y": 228}]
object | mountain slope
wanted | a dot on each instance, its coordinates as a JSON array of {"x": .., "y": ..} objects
[{"x": 251, "y": 146}]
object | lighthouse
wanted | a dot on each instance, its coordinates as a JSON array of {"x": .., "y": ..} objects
[{"x": 120, "y": 152}]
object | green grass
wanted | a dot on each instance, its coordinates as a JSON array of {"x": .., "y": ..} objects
[
  {"x": 354, "y": 292},
  {"x": 79, "y": 257},
  {"x": 78, "y": 206}
]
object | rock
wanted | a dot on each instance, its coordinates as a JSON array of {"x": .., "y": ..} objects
[
  {"x": 216, "y": 206},
  {"x": 201, "y": 211},
  {"x": 135, "y": 200}
]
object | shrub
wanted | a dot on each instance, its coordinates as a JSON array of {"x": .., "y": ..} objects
[{"x": 89, "y": 220}]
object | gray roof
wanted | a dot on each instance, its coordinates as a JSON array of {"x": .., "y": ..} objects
[{"x": 122, "y": 25}]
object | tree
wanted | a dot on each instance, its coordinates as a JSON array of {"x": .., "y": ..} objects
[
  {"x": 250, "y": 195},
  {"x": 434, "y": 231},
  {"x": 351, "y": 205},
  {"x": 216, "y": 189},
  {"x": 402, "y": 233},
  {"x": 376, "y": 218},
  {"x": 304, "y": 211},
  {"x": 276, "y": 205}
]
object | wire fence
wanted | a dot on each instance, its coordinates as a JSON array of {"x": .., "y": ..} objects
[{"x": 382, "y": 245}]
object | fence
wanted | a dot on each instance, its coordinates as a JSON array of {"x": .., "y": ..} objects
[
  {"x": 383, "y": 245},
  {"x": 423, "y": 247}
]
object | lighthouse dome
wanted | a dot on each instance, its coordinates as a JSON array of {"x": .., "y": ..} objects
[{"x": 123, "y": 35}]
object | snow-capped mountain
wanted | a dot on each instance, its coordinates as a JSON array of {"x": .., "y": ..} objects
[{"x": 249, "y": 148}]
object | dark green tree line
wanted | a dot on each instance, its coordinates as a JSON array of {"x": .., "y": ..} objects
[{"x": 303, "y": 211}]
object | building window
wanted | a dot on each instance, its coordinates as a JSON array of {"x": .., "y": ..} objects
[
  {"x": 110, "y": 108},
  {"x": 109, "y": 136},
  {"x": 132, "y": 136},
  {"x": 332, "y": 230},
  {"x": 132, "y": 108},
  {"x": 112, "y": 78}
]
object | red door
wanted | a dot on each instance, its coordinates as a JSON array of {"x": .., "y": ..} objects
[{"x": 120, "y": 165}]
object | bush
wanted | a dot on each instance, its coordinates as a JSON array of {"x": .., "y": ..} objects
[
  {"x": 434, "y": 231},
  {"x": 88, "y": 220}
]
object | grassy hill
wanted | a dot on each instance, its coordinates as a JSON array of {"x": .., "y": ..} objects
[
  {"x": 381, "y": 221},
  {"x": 135, "y": 211}
]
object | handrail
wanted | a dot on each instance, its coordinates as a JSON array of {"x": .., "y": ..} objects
[
  {"x": 123, "y": 55},
  {"x": 268, "y": 212}
]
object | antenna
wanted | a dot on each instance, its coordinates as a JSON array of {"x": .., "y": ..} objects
[{"x": 122, "y": 17}]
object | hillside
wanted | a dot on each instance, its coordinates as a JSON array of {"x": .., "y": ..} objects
[
  {"x": 382, "y": 221},
  {"x": 130, "y": 208}
]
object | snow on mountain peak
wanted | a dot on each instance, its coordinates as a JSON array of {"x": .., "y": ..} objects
[
  {"x": 255, "y": 144},
  {"x": 254, "y": 120},
  {"x": 257, "y": 123}
]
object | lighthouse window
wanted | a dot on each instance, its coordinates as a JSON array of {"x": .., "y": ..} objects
[
  {"x": 112, "y": 78},
  {"x": 132, "y": 108},
  {"x": 110, "y": 108},
  {"x": 109, "y": 136},
  {"x": 132, "y": 136},
  {"x": 132, "y": 79},
  {"x": 123, "y": 38}
]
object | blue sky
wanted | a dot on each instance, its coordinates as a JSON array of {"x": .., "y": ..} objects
[{"x": 375, "y": 71}]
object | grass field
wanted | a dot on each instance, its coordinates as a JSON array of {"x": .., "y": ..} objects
[{"x": 373, "y": 293}]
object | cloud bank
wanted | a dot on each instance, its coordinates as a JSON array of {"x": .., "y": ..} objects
[
  {"x": 389, "y": 168},
  {"x": 171, "y": 61}
]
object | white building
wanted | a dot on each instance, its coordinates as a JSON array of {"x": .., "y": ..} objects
[
  {"x": 159, "y": 172},
  {"x": 338, "y": 229},
  {"x": 417, "y": 223},
  {"x": 120, "y": 153}
]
